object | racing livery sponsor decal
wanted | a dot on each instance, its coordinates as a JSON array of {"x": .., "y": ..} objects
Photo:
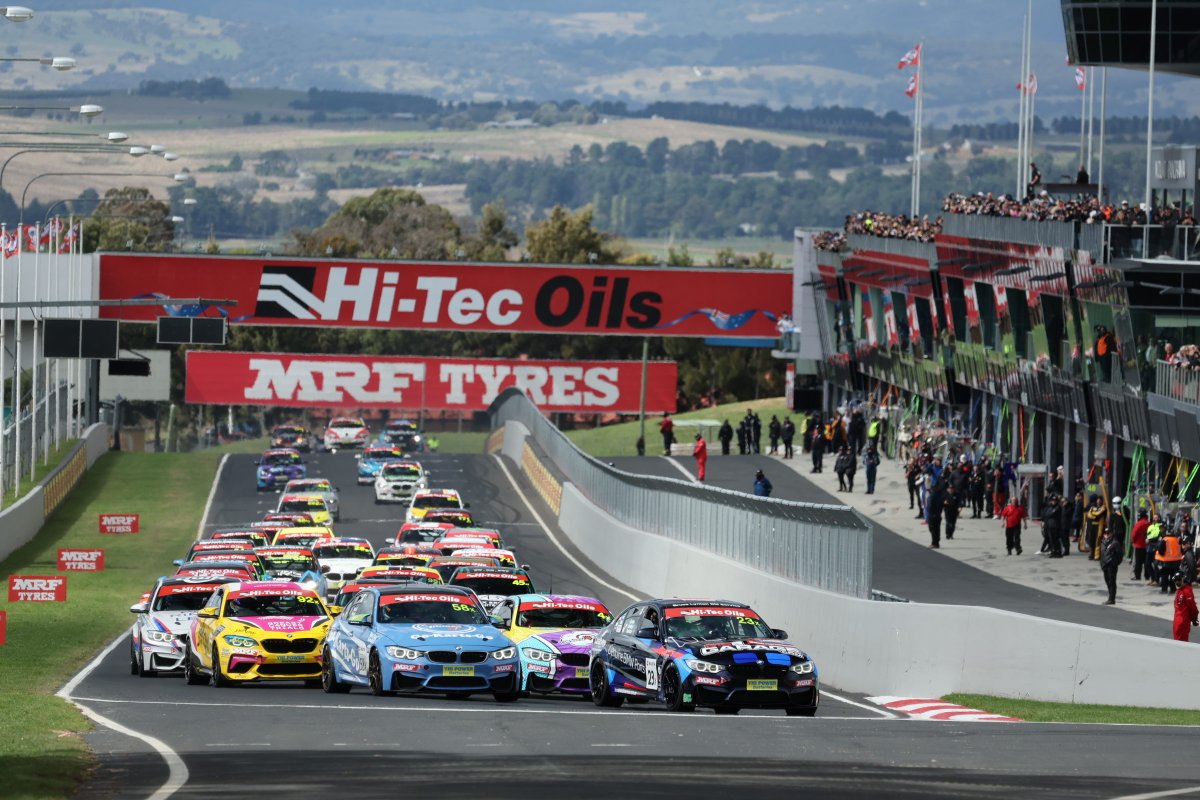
[
  {"x": 427, "y": 598},
  {"x": 508, "y": 297},
  {"x": 187, "y": 588},
  {"x": 37, "y": 588},
  {"x": 282, "y": 624},
  {"x": 708, "y": 611},
  {"x": 750, "y": 645},
  {"x": 322, "y": 381},
  {"x": 119, "y": 523},
  {"x": 80, "y": 560}
]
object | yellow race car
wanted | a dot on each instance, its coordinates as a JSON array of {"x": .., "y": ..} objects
[
  {"x": 257, "y": 630},
  {"x": 315, "y": 505}
]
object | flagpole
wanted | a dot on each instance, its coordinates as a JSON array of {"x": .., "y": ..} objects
[
  {"x": 1021, "y": 99},
  {"x": 920, "y": 122},
  {"x": 1103, "y": 104},
  {"x": 54, "y": 429},
  {"x": 1150, "y": 127},
  {"x": 1082, "y": 124},
  {"x": 3, "y": 351},
  {"x": 1091, "y": 115},
  {"x": 33, "y": 356},
  {"x": 17, "y": 366},
  {"x": 1030, "y": 114}
]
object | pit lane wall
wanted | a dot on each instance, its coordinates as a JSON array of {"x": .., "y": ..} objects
[
  {"x": 21, "y": 521},
  {"x": 904, "y": 649}
]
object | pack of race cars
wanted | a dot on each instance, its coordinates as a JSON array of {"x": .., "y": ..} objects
[{"x": 445, "y": 607}]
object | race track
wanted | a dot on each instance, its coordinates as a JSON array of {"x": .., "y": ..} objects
[{"x": 285, "y": 740}]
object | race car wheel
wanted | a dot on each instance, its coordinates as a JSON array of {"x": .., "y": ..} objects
[
  {"x": 135, "y": 668},
  {"x": 673, "y": 693},
  {"x": 727, "y": 709},
  {"x": 329, "y": 682},
  {"x": 601, "y": 692},
  {"x": 191, "y": 675},
  {"x": 801, "y": 712},
  {"x": 375, "y": 675},
  {"x": 218, "y": 677}
]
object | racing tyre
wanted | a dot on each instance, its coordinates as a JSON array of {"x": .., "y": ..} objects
[
  {"x": 191, "y": 675},
  {"x": 602, "y": 694},
  {"x": 801, "y": 712},
  {"x": 375, "y": 676},
  {"x": 218, "y": 677},
  {"x": 673, "y": 693},
  {"x": 135, "y": 666},
  {"x": 329, "y": 682}
]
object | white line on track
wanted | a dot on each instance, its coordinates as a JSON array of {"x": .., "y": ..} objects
[
  {"x": 550, "y": 535},
  {"x": 177, "y": 771},
  {"x": 679, "y": 467},
  {"x": 212, "y": 493},
  {"x": 423, "y": 709},
  {"x": 883, "y": 712},
  {"x": 1167, "y": 793}
]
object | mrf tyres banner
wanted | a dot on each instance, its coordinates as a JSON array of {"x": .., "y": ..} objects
[
  {"x": 437, "y": 296},
  {"x": 466, "y": 384}
]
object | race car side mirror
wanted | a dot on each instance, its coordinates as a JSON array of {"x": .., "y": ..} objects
[
  {"x": 324, "y": 568},
  {"x": 358, "y": 456},
  {"x": 207, "y": 613},
  {"x": 647, "y": 632},
  {"x": 390, "y": 540},
  {"x": 138, "y": 608},
  {"x": 177, "y": 562},
  {"x": 257, "y": 461},
  {"x": 779, "y": 633},
  {"x": 497, "y": 622},
  {"x": 334, "y": 610}
]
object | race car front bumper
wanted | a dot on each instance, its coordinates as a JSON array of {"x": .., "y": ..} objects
[{"x": 302, "y": 660}]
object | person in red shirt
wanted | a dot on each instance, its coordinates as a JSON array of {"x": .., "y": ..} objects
[
  {"x": 700, "y": 453},
  {"x": 1137, "y": 539},
  {"x": 1013, "y": 515},
  {"x": 1186, "y": 614}
]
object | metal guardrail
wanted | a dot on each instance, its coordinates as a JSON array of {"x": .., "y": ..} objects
[
  {"x": 33, "y": 431},
  {"x": 825, "y": 546},
  {"x": 1177, "y": 381}
]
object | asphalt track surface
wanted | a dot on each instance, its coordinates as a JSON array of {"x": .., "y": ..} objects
[{"x": 284, "y": 740}]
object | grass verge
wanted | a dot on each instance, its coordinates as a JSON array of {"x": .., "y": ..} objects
[
  {"x": 621, "y": 438},
  {"x": 41, "y": 754},
  {"x": 1036, "y": 711},
  {"x": 41, "y": 470}
]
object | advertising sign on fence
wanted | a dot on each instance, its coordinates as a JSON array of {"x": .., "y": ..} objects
[
  {"x": 37, "y": 588},
  {"x": 73, "y": 560},
  {"x": 118, "y": 523},
  {"x": 449, "y": 296},
  {"x": 434, "y": 384}
]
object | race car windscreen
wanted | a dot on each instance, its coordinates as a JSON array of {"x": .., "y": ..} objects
[
  {"x": 401, "y": 471},
  {"x": 191, "y": 597},
  {"x": 303, "y": 506},
  {"x": 517, "y": 584},
  {"x": 438, "y": 609},
  {"x": 280, "y": 460},
  {"x": 436, "y": 501},
  {"x": 272, "y": 605},
  {"x": 562, "y": 617},
  {"x": 343, "y": 551},
  {"x": 347, "y": 423},
  {"x": 289, "y": 563},
  {"x": 715, "y": 623}
]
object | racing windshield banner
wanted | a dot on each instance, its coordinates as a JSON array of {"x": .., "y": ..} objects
[
  {"x": 80, "y": 560},
  {"x": 344, "y": 381},
  {"x": 37, "y": 588},
  {"x": 511, "y": 297}
]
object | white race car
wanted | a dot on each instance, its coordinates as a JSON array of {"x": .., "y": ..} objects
[
  {"x": 346, "y": 432},
  {"x": 399, "y": 480},
  {"x": 158, "y": 640},
  {"x": 341, "y": 559}
]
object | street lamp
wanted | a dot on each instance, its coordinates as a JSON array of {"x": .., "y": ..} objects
[
  {"x": 16, "y": 13},
  {"x": 60, "y": 63},
  {"x": 85, "y": 110}
]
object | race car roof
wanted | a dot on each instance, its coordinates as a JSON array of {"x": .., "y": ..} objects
[
  {"x": 282, "y": 451},
  {"x": 676, "y": 602},
  {"x": 184, "y": 580}
]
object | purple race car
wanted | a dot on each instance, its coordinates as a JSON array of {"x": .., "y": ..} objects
[{"x": 553, "y": 634}]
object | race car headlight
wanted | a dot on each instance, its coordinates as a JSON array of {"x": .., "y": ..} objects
[
  {"x": 404, "y": 653},
  {"x": 239, "y": 641},
  {"x": 504, "y": 654},
  {"x": 264, "y": 473},
  {"x": 803, "y": 668},
  {"x": 309, "y": 584},
  {"x": 534, "y": 654},
  {"x": 703, "y": 666},
  {"x": 158, "y": 636}
]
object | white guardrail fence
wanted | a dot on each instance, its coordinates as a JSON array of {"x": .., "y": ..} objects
[{"x": 819, "y": 596}]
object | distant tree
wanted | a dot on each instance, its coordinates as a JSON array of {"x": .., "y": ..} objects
[
  {"x": 679, "y": 257},
  {"x": 390, "y": 223},
  {"x": 493, "y": 237},
  {"x": 566, "y": 238},
  {"x": 656, "y": 154},
  {"x": 129, "y": 219}
]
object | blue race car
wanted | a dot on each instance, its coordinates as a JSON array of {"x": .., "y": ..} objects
[
  {"x": 372, "y": 459},
  {"x": 277, "y": 467},
  {"x": 685, "y": 653},
  {"x": 418, "y": 639}
]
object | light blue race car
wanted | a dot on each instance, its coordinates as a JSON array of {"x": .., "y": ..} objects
[
  {"x": 407, "y": 638},
  {"x": 372, "y": 459}
]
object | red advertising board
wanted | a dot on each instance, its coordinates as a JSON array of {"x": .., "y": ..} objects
[
  {"x": 445, "y": 296},
  {"x": 468, "y": 384},
  {"x": 118, "y": 523},
  {"x": 80, "y": 560},
  {"x": 37, "y": 588}
]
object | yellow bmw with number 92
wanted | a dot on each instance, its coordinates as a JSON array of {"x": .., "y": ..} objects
[{"x": 255, "y": 631}]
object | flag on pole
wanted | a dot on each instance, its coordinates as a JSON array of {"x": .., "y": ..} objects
[
  {"x": 911, "y": 91},
  {"x": 11, "y": 243},
  {"x": 1080, "y": 78},
  {"x": 31, "y": 238},
  {"x": 910, "y": 59},
  {"x": 52, "y": 230},
  {"x": 68, "y": 239}
]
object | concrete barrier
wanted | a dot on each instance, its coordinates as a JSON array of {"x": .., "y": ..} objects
[{"x": 21, "y": 521}]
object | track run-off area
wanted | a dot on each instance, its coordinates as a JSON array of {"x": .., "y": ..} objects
[{"x": 158, "y": 737}]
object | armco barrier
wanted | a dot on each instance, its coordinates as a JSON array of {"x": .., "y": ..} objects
[
  {"x": 818, "y": 545},
  {"x": 21, "y": 521}
]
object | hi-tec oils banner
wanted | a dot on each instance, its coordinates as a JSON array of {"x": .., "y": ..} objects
[
  {"x": 434, "y": 384},
  {"x": 525, "y": 298}
]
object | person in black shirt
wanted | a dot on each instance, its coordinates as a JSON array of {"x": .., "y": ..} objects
[
  {"x": 789, "y": 435},
  {"x": 725, "y": 435},
  {"x": 950, "y": 507},
  {"x": 1082, "y": 176}
]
